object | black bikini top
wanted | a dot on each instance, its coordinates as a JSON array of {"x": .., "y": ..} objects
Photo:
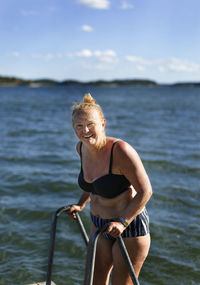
[{"x": 109, "y": 185}]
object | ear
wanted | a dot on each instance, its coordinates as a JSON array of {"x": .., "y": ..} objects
[{"x": 103, "y": 123}]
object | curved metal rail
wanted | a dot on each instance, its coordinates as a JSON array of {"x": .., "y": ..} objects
[
  {"x": 92, "y": 254},
  {"x": 53, "y": 236},
  {"x": 92, "y": 248}
]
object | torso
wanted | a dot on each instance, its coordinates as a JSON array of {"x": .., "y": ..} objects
[
  {"x": 106, "y": 206},
  {"x": 111, "y": 208}
]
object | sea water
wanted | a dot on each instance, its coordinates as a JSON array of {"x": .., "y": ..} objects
[{"x": 39, "y": 168}]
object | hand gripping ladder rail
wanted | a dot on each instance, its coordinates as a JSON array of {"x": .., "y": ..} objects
[{"x": 92, "y": 249}]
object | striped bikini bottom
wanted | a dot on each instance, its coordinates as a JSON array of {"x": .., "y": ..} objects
[{"x": 138, "y": 227}]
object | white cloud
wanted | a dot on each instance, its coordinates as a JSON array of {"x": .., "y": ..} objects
[
  {"x": 137, "y": 59},
  {"x": 59, "y": 55},
  {"x": 176, "y": 64},
  {"x": 82, "y": 53},
  {"x": 125, "y": 5},
  {"x": 107, "y": 56},
  {"x": 164, "y": 64},
  {"x": 161, "y": 68},
  {"x": 29, "y": 12},
  {"x": 107, "y": 53},
  {"x": 108, "y": 59},
  {"x": 97, "y": 59},
  {"x": 110, "y": 52},
  {"x": 140, "y": 68},
  {"x": 95, "y": 4},
  {"x": 46, "y": 57},
  {"x": 86, "y": 28},
  {"x": 14, "y": 53},
  {"x": 98, "y": 66}
]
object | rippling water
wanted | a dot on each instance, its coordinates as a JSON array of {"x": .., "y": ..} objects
[{"x": 39, "y": 168}]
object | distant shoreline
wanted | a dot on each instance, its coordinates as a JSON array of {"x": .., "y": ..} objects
[{"x": 14, "y": 81}]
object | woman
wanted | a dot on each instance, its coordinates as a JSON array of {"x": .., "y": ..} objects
[{"x": 115, "y": 183}]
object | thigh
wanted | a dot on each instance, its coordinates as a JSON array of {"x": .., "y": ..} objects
[
  {"x": 103, "y": 260},
  {"x": 138, "y": 248}
]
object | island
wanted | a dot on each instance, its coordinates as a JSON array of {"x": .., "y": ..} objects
[
  {"x": 187, "y": 84},
  {"x": 14, "y": 81}
]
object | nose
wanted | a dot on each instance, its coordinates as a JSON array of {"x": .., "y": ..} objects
[{"x": 85, "y": 129}]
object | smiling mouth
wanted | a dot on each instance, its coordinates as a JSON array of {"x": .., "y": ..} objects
[{"x": 87, "y": 137}]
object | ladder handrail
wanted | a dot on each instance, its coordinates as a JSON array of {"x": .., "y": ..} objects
[
  {"x": 92, "y": 248},
  {"x": 92, "y": 254}
]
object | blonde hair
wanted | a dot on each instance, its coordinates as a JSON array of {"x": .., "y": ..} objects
[{"x": 88, "y": 103}]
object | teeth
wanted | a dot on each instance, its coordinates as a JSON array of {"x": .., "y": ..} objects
[{"x": 87, "y": 136}]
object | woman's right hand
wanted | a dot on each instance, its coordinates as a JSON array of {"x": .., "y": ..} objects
[{"x": 73, "y": 209}]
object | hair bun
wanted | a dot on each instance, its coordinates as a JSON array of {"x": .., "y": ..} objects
[{"x": 88, "y": 99}]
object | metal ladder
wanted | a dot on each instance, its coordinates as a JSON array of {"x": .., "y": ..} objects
[{"x": 92, "y": 249}]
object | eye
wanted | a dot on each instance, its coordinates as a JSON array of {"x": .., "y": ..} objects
[
  {"x": 79, "y": 127},
  {"x": 90, "y": 125}
]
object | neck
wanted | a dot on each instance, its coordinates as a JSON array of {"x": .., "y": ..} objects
[
  {"x": 101, "y": 144},
  {"x": 94, "y": 149}
]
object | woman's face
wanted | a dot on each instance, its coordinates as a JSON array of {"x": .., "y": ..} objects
[{"x": 89, "y": 126}]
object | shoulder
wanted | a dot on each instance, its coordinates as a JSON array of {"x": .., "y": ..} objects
[
  {"x": 123, "y": 147},
  {"x": 126, "y": 154},
  {"x": 78, "y": 146}
]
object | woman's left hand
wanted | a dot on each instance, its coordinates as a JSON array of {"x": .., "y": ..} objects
[{"x": 115, "y": 229}]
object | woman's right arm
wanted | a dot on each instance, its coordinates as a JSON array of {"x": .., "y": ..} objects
[{"x": 84, "y": 199}]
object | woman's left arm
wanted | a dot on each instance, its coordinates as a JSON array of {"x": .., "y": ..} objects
[{"x": 131, "y": 166}]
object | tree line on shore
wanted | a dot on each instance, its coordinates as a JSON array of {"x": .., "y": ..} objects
[{"x": 14, "y": 81}]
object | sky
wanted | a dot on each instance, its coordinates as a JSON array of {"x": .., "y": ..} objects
[{"x": 90, "y": 40}]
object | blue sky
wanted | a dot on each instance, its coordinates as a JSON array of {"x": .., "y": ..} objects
[{"x": 100, "y": 39}]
